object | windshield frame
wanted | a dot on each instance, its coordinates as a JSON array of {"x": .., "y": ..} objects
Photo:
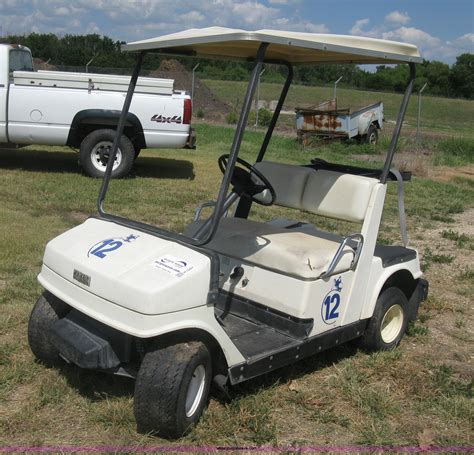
[{"x": 244, "y": 204}]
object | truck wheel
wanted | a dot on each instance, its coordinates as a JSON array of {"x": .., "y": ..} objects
[
  {"x": 389, "y": 321},
  {"x": 95, "y": 151},
  {"x": 171, "y": 389},
  {"x": 47, "y": 310},
  {"x": 137, "y": 152},
  {"x": 372, "y": 135}
]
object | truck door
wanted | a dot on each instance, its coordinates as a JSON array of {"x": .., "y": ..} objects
[
  {"x": 3, "y": 92},
  {"x": 19, "y": 59}
]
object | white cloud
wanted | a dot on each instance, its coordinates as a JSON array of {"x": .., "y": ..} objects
[
  {"x": 412, "y": 35},
  {"x": 193, "y": 17},
  {"x": 431, "y": 47},
  {"x": 398, "y": 18},
  {"x": 358, "y": 26},
  {"x": 279, "y": 2},
  {"x": 468, "y": 38}
]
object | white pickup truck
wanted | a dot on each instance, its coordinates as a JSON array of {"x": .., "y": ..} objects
[{"x": 81, "y": 110}]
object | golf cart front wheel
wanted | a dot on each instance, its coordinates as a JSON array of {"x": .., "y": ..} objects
[
  {"x": 47, "y": 310},
  {"x": 172, "y": 388},
  {"x": 389, "y": 321}
]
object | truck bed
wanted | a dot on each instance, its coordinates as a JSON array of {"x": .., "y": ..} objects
[{"x": 92, "y": 81}]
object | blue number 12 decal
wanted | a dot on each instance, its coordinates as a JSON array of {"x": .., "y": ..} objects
[
  {"x": 331, "y": 304},
  {"x": 106, "y": 247}
]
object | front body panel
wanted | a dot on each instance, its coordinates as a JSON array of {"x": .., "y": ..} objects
[{"x": 133, "y": 269}]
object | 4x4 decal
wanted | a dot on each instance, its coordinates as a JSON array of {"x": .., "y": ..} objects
[{"x": 162, "y": 119}]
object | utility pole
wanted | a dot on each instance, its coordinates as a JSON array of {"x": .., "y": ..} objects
[
  {"x": 192, "y": 83},
  {"x": 418, "y": 138},
  {"x": 257, "y": 98}
]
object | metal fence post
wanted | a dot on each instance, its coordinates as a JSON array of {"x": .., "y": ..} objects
[
  {"x": 192, "y": 83},
  {"x": 88, "y": 63},
  {"x": 419, "y": 113},
  {"x": 335, "y": 87}
]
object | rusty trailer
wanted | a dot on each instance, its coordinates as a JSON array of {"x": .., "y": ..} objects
[{"x": 327, "y": 121}]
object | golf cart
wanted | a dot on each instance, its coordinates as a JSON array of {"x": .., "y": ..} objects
[{"x": 231, "y": 298}]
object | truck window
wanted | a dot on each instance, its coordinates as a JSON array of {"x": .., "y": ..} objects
[{"x": 20, "y": 60}]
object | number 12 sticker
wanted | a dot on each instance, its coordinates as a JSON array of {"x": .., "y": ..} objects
[{"x": 331, "y": 302}]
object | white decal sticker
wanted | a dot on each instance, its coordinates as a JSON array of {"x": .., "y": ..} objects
[{"x": 173, "y": 266}]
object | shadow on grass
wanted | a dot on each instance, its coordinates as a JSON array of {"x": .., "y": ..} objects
[
  {"x": 295, "y": 371},
  {"x": 96, "y": 385},
  {"x": 32, "y": 160}
]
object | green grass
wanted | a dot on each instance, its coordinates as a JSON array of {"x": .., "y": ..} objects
[
  {"x": 341, "y": 397},
  {"x": 455, "y": 152},
  {"x": 451, "y": 116}
]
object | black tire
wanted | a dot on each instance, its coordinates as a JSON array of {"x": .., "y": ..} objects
[
  {"x": 372, "y": 136},
  {"x": 162, "y": 386},
  {"x": 137, "y": 152},
  {"x": 392, "y": 302},
  {"x": 94, "y": 151},
  {"x": 47, "y": 310}
]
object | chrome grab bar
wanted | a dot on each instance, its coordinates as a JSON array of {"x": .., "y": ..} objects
[
  {"x": 340, "y": 252},
  {"x": 199, "y": 209}
]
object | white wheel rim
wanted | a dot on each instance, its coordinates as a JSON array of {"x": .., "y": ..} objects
[
  {"x": 100, "y": 148},
  {"x": 392, "y": 324},
  {"x": 372, "y": 139},
  {"x": 195, "y": 390}
]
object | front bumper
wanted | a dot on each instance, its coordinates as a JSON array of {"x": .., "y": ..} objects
[{"x": 137, "y": 324}]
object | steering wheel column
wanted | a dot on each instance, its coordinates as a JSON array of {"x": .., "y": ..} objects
[{"x": 247, "y": 181}]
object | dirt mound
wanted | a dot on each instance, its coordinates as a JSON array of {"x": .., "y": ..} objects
[
  {"x": 204, "y": 99},
  {"x": 40, "y": 64}
]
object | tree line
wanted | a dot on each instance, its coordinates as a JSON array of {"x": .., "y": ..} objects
[{"x": 456, "y": 80}]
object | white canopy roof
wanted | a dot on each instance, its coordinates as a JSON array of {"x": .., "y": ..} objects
[{"x": 294, "y": 47}]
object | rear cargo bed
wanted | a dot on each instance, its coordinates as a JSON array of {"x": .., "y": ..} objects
[{"x": 92, "y": 81}]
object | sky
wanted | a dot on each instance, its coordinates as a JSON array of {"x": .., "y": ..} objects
[{"x": 442, "y": 29}]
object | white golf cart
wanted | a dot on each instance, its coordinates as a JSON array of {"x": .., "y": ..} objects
[{"x": 232, "y": 298}]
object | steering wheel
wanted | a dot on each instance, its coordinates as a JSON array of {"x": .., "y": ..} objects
[{"x": 243, "y": 183}]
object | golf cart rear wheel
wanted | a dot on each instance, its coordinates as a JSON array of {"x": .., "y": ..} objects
[
  {"x": 172, "y": 388},
  {"x": 389, "y": 321},
  {"x": 372, "y": 135},
  {"x": 96, "y": 149},
  {"x": 47, "y": 310}
]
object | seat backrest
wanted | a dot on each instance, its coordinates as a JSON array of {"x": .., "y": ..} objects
[
  {"x": 287, "y": 180},
  {"x": 326, "y": 193}
]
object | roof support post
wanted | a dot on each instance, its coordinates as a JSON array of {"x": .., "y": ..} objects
[
  {"x": 276, "y": 114},
  {"x": 245, "y": 203},
  {"x": 396, "y": 132},
  {"x": 119, "y": 132},
  {"x": 234, "y": 150}
]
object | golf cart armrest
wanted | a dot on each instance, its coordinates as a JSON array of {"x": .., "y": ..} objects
[{"x": 359, "y": 238}]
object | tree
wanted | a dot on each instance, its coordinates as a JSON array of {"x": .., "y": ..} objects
[{"x": 462, "y": 76}]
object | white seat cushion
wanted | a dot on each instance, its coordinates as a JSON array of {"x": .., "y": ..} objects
[
  {"x": 337, "y": 195},
  {"x": 326, "y": 193},
  {"x": 288, "y": 251}
]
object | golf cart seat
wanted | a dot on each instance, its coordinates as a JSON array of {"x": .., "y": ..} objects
[
  {"x": 292, "y": 251},
  {"x": 301, "y": 251}
]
